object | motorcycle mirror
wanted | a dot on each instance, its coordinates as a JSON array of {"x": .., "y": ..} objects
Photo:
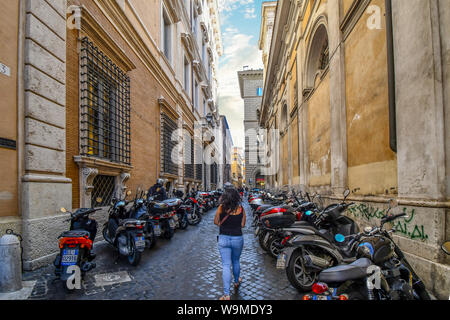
[
  {"x": 346, "y": 193},
  {"x": 63, "y": 210},
  {"x": 446, "y": 247}
]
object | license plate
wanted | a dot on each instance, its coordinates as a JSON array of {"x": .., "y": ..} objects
[
  {"x": 281, "y": 261},
  {"x": 140, "y": 242},
  {"x": 157, "y": 230},
  {"x": 69, "y": 257},
  {"x": 256, "y": 231},
  {"x": 321, "y": 297},
  {"x": 266, "y": 238},
  {"x": 172, "y": 223}
]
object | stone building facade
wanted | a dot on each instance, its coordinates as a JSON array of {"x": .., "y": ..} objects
[
  {"x": 251, "y": 88},
  {"x": 100, "y": 97},
  {"x": 359, "y": 92},
  {"x": 237, "y": 168}
]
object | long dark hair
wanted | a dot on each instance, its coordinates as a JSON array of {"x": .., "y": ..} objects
[{"x": 230, "y": 200}]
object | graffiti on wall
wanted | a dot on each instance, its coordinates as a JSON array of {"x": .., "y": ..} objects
[{"x": 406, "y": 227}]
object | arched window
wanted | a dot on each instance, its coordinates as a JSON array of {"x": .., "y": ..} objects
[{"x": 318, "y": 56}]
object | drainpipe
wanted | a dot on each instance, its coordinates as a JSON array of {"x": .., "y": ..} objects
[{"x": 391, "y": 77}]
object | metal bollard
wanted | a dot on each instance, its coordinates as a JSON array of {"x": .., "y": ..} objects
[{"x": 10, "y": 264}]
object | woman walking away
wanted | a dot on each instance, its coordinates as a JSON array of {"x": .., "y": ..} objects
[{"x": 230, "y": 217}]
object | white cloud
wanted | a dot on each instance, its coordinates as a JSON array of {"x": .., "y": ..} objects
[
  {"x": 230, "y": 5},
  {"x": 249, "y": 13},
  {"x": 238, "y": 52}
]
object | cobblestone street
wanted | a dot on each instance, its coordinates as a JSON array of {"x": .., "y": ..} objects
[{"x": 186, "y": 267}]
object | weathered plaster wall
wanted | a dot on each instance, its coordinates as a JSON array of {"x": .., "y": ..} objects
[
  {"x": 372, "y": 167},
  {"x": 319, "y": 135}
]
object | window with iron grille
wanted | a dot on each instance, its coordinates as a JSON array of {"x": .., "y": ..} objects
[
  {"x": 188, "y": 157},
  {"x": 105, "y": 107},
  {"x": 103, "y": 188},
  {"x": 168, "y": 126}
]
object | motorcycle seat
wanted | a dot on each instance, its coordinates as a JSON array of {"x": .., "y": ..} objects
[
  {"x": 75, "y": 234},
  {"x": 172, "y": 202},
  {"x": 300, "y": 224},
  {"x": 342, "y": 273},
  {"x": 127, "y": 221}
]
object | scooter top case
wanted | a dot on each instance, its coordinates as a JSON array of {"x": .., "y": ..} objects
[
  {"x": 278, "y": 217},
  {"x": 158, "y": 207},
  {"x": 175, "y": 202}
]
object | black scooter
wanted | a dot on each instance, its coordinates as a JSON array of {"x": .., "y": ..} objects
[
  {"x": 123, "y": 232},
  {"x": 75, "y": 247},
  {"x": 315, "y": 248},
  {"x": 381, "y": 272}
]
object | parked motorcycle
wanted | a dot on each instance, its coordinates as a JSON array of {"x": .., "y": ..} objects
[
  {"x": 381, "y": 272},
  {"x": 123, "y": 232},
  {"x": 76, "y": 245},
  {"x": 162, "y": 215},
  {"x": 314, "y": 248},
  {"x": 193, "y": 209},
  {"x": 139, "y": 211},
  {"x": 282, "y": 223}
]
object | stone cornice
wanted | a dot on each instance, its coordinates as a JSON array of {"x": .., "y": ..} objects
[{"x": 167, "y": 108}]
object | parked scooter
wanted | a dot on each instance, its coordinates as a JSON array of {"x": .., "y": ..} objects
[
  {"x": 124, "y": 233},
  {"x": 314, "y": 248},
  {"x": 282, "y": 223},
  {"x": 162, "y": 215},
  {"x": 76, "y": 245},
  {"x": 381, "y": 272},
  {"x": 139, "y": 211}
]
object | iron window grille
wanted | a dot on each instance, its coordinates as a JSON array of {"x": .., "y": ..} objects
[
  {"x": 105, "y": 107},
  {"x": 189, "y": 157},
  {"x": 103, "y": 188},
  {"x": 168, "y": 127}
]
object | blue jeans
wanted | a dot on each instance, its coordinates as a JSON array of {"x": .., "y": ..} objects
[{"x": 230, "y": 249}]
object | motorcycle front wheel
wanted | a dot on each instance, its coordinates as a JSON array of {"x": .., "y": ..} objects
[
  {"x": 298, "y": 275},
  {"x": 261, "y": 236},
  {"x": 183, "y": 223},
  {"x": 105, "y": 234},
  {"x": 273, "y": 244},
  {"x": 168, "y": 234}
]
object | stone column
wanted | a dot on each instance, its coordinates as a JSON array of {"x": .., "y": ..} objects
[
  {"x": 45, "y": 189},
  {"x": 421, "y": 132},
  {"x": 302, "y": 117},
  {"x": 337, "y": 100},
  {"x": 419, "y": 92}
]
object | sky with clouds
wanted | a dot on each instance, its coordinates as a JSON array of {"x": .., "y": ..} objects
[{"x": 240, "y": 25}]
